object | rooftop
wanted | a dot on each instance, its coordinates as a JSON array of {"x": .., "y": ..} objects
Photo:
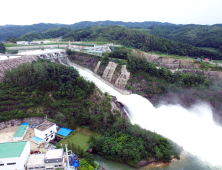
[
  {"x": 11, "y": 149},
  {"x": 52, "y": 154},
  {"x": 36, "y": 159},
  {"x": 21, "y": 130},
  {"x": 45, "y": 126}
]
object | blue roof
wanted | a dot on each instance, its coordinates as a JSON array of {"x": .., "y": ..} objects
[
  {"x": 64, "y": 131},
  {"x": 25, "y": 124},
  {"x": 37, "y": 139}
]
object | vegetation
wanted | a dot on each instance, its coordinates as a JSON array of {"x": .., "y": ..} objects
[
  {"x": 18, "y": 30},
  {"x": 48, "y": 88},
  {"x": 2, "y": 48},
  {"x": 129, "y": 143},
  {"x": 29, "y": 86},
  {"x": 196, "y": 35},
  {"x": 140, "y": 40},
  {"x": 51, "y": 33},
  {"x": 80, "y": 137}
]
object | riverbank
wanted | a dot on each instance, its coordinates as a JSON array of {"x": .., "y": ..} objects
[
  {"x": 111, "y": 165},
  {"x": 162, "y": 164}
]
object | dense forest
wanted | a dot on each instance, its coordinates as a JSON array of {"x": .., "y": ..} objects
[
  {"x": 48, "y": 88},
  {"x": 196, "y": 35},
  {"x": 140, "y": 40},
  {"x": 19, "y": 30},
  {"x": 2, "y": 48},
  {"x": 51, "y": 33}
]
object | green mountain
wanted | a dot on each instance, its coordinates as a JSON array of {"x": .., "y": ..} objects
[
  {"x": 196, "y": 35},
  {"x": 19, "y": 30},
  {"x": 138, "y": 39}
]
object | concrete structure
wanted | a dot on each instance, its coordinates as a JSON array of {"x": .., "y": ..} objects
[
  {"x": 14, "y": 155},
  {"x": 20, "y": 133},
  {"x": 18, "y": 122},
  {"x": 51, "y": 160},
  {"x": 46, "y": 131}
]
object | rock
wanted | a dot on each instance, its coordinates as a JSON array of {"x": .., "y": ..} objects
[
  {"x": 123, "y": 78},
  {"x": 145, "y": 162},
  {"x": 109, "y": 71},
  {"x": 97, "y": 67},
  {"x": 118, "y": 106}
]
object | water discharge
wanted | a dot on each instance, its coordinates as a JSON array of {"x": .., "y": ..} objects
[{"x": 193, "y": 129}]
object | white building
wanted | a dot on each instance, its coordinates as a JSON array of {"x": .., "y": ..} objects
[
  {"x": 14, "y": 155},
  {"x": 22, "y": 43},
  {"x": 46, "y": 131},
  {"x": 40, "y": 42},
  {"x": 20, "y": 133}
]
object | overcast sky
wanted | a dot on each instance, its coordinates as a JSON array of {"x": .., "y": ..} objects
[{"x": 26, "y": 12}]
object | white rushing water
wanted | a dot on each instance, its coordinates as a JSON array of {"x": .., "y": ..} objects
[{"x": 193, "y": 129}]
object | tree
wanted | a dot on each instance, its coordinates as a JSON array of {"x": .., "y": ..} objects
[
  {"x": 2, "y": 48},
  {"x": 60, "y": 117},
  {"x": 89, "y": 158}
]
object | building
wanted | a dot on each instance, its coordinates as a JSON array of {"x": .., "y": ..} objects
[
  {"x": 46, "y": 131},
  {"x": 14, "y": 155},
  {"x": 36, "y": 162},
  {"x": 40, "y": 42},
  {"x": 51, "y": 160},
  {"x": 23, "y": 43},
  {"x": 20, "y": 133}
]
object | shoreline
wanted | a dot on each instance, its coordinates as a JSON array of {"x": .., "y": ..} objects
[{"x": 162, "y": 164}]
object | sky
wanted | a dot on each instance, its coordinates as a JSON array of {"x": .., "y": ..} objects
[{"x": 27, "y": 12}]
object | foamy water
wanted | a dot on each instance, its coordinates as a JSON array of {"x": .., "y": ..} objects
[{"x": 193, "y": 129}]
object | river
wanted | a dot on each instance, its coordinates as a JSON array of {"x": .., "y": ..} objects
[{"x": 193, "y": 128}]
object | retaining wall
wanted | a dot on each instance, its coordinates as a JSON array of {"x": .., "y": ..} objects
[{"x": 18, "y": 122}]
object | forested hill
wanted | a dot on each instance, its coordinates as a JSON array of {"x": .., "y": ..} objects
[
  {"x": 43, "y": 87},
  {"x": 51, "y": 33},
  {"x": 19, "y": 30},
  {"x": 196, "y": 35},
  {"x": 140, "y": 40}
]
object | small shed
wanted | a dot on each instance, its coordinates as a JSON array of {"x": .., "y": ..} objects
[{"x": 64, "y": 131}]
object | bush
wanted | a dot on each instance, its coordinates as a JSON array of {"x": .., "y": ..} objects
[{"x": 89, "y": 158}]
